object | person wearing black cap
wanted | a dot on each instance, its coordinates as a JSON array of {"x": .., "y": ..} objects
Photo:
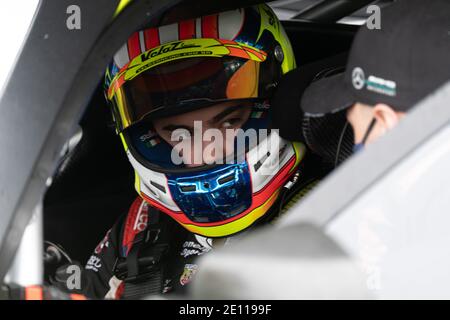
[{"x": 389, "y": 70}]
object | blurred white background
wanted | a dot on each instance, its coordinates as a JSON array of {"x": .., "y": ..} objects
[{"x": 15, "y": 19}]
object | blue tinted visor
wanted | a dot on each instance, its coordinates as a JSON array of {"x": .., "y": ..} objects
[{"x": 213, "y": 195}]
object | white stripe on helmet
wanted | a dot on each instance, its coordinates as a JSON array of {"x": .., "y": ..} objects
[
  {"x": 198, "y": 28},
  {"x": 142, "y": 41},
  {"x": 230, "y": 23},
  {"x": 121, "y": 57},
  {"x": 229, "y": 26},
  {"x": 168, "y": 33}
]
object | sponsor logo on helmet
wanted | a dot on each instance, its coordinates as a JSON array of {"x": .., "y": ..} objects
[
  {"x": 173, "y": 46},
  {"x": 148, "y": 136},
  {"x": 180, "y": 50},
  {"x": 270, "y": 15},
  {"x": 150, "y": 139}
]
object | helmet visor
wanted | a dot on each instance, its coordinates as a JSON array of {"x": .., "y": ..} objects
[{"x": 184, "y": 85}]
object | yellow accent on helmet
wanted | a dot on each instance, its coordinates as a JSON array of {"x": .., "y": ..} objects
[
  {"x": 124, "y": 143},
  {"x": 121, "y": 6},
  {"x": 182, "y": 49},
  {"x": 237, "y": 225},
  {"x": 270, "y": 22},
  {"x": 137, "y": 182},
  {"x": 300, "y": 151}
]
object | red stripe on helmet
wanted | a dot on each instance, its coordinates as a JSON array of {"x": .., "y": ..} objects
[
  {"x": 159, "y": 206},
  {"x": 186, "y": 29},
  {"x": 151, "y": 37},
  {"x": 260, "y": 55},
  {"x": 225, "y": 41},
  {"x": 134, "y": 47},
  {"x": 238, "y": 52},
  {"x": 210, "y": 27}
]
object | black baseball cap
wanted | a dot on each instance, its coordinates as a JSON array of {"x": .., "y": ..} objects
[{"x": 398, "y": 64}]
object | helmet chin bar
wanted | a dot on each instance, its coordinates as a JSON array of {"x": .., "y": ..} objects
[
  {"x": 266, "y": 162},
  {"x": 153, "y": 184}
]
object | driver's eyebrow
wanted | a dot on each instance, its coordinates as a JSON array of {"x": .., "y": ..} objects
[
  {"x": 173, "y": 127},
  {"x": 225, "y": 112},
  {"x": 218, "y": 117}
]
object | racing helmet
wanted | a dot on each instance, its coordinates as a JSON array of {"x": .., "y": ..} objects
[{"x": 236, "y": 56}]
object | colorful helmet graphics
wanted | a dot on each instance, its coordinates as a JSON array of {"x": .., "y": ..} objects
[{"x": 235, "y": 56}]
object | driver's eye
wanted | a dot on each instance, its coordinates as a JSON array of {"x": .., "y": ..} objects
[
  {"x": 234, "y": 122},
  {"x": 180, "y": 135}
]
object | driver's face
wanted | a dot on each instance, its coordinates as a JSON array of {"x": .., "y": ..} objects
[{"x": 223, "y": 116}]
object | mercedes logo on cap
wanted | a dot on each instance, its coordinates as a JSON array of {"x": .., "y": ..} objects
[{"x": 358, "y": 78}]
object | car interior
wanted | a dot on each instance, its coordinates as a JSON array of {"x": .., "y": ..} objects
[{"x": 94, "y": 182}]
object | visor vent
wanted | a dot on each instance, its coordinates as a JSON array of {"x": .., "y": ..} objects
[
  {"x": 261, "y": 161},
  {"x": 158, "y": 186},
  {"x": 190, "y": 188},
  {"x": 226, "y": 179}
]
